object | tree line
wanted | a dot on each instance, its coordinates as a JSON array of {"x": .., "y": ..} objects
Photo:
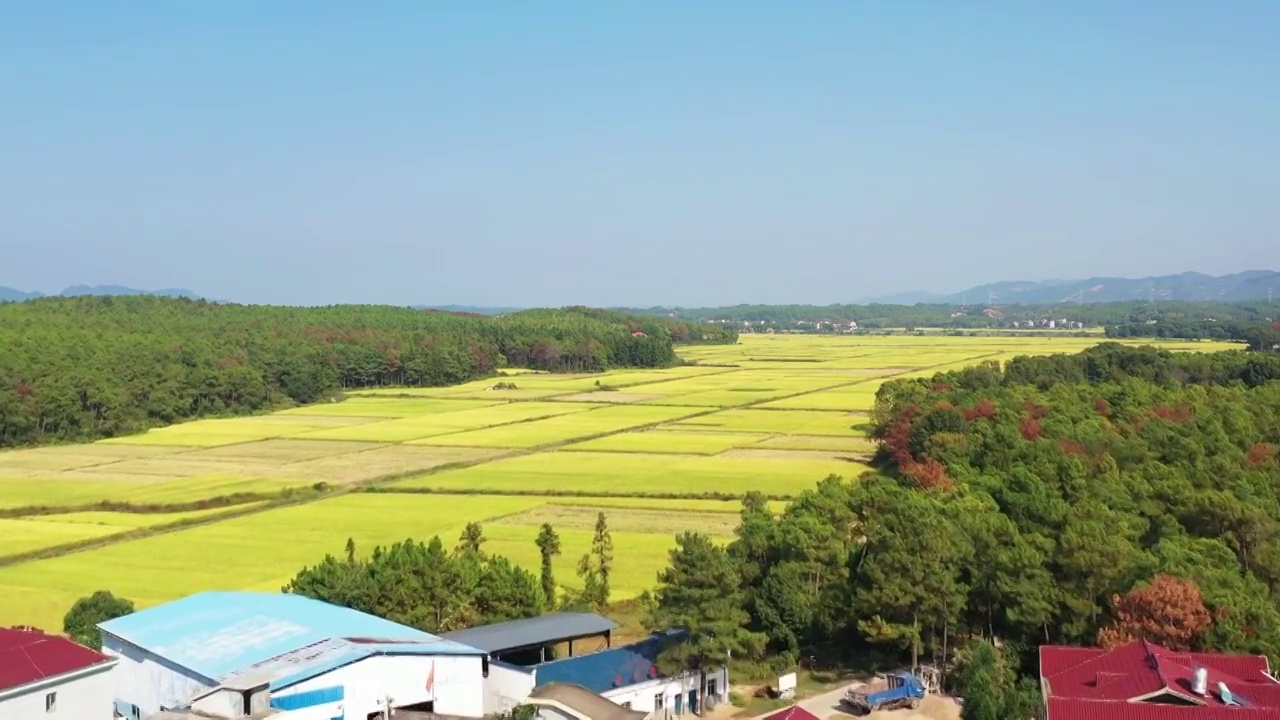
[
  {"x": 1116, "y": 494},
  {"x": 426, "y": 586},
  {"x": 1195, "y": 315},
  {"x": 89, "y": 367}
]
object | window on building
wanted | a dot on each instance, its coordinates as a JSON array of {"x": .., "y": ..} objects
[
  {"x": 627, "y": 704},
  {"x": 659, "y": 701},
  {"x": 51, "y": 702},
  {"x": 711, "y": 688}
]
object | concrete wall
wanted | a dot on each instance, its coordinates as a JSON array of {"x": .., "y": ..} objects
[
  {"x": 547, "y": 711},
  {"x": 644, "y": 696},
  {"x": 506, "y": 687},
  {"x": 221, "y": 703},
  {"x": 149, "y": 682},
  {"x": 458, "y": 687},
  {"x": 81, "y": 695}
]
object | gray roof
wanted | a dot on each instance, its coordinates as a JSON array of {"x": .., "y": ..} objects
[
  {"x": 585, "y": 702},
  {"x": 532, "y": 632}
]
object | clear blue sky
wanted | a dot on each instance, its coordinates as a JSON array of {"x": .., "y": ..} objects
[{"x": 632, "y": 153}]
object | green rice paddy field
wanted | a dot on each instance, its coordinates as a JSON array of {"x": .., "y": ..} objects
[{"x": 658, "y": 451}]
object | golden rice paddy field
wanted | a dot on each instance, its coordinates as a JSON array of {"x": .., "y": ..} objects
[{"x": 658, "y": 451}]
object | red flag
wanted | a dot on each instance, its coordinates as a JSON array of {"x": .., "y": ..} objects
[{"x": 431, "y": 678}]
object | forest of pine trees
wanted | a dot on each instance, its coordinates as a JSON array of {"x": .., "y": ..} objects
[
  {"x": 1116, "y": 494},
  {"x": 90, "y": 367}
]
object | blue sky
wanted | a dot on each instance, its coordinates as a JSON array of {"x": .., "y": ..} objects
[{"x": 632, "y": 153}]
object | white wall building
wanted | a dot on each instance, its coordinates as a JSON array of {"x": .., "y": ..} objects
[
  {"x": 52, "y": 678},
  {"x": 231, "y": 654},
  {"x": 627, "y": 676}
]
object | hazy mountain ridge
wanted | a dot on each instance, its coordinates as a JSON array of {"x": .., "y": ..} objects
[
  {"x": 8, "y": 294},
  {"x": 1184, "y": 287}
]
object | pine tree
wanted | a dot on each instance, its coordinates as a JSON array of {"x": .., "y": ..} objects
[{"x": 548, "y": 547}]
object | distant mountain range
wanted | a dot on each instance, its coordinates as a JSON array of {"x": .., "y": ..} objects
[
  {"x": 1186, "y": 287},
  {"x": 8, "y": 294}
]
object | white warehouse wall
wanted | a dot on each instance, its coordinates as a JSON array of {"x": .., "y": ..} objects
[
  {"x": 459, "y": 686},
  {"x": 148, "y": 681},
  {"x": 506, "y": 687},
  {"x": 643, "y": 696},
  {"x": 87, "y": 694}
]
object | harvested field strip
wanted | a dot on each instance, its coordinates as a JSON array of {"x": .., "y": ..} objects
[
  {"x": 669, "y": 441},
  {"x": 560, "y": 429},
  {"x": 68, "y": 457}
]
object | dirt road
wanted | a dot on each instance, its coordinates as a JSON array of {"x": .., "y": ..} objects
[{"x": 827, "y": 705}]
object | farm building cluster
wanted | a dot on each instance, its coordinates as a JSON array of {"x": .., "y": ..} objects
[{"x": 250, "y": 655}]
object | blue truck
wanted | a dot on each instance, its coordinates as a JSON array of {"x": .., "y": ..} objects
[{"x": 905, "y": 691}]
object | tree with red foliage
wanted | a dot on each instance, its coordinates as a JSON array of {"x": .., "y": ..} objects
[
  {"x": 1103, "y": 407},
  {"x": 1260, "y": 453},
  {"x": 1168, "y": 611},
  {"x": 983, "y": 410},
  {"x": 1178, "y": 415},
  {"x": 929, "y": 475},
  {"x": 1031, "y": 429}
]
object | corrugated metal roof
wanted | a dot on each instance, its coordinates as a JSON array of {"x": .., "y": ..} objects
[
  {"x": 27, "y": 656},
  {"x": 608, "y": 669},
  {"x": 531, "y": 632},
  {"x": 1082, "y": 683},
  {"x": 273, "y": 637},
  {"x": 1078, "y": 709}
]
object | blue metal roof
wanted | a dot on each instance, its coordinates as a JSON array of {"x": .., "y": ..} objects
[
  {"x": 279, "y": 638},
  {"x": 608, "y": 669}
]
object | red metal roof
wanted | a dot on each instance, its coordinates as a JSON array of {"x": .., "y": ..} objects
[
  {"x": 30, "y": 655},
  {"x": 1076, "y": 709},
  {"x": 795, "y": 712},
  {"x": 1136, "y": 681}
]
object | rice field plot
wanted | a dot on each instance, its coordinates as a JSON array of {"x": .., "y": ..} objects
[
  {"x": 385, "y": 407},
  {"x": 413, "y": 428},
  {"x": 662, "y": 440},
  {"x": 559, "y": 428},
  {"x": 564, "y": 471},
  {"x": 731, "y": 507},
  {"x": 855, "y": 398},
  {"x": 85, "y": 488},
  {"x": 129, "y": 520},
  {"x": 35, "y": 461},
  {"x": 228, "y": 431},
  {"x": 270, "y": 547},
  {"x": 635, "y": 520},
  {"x": 19, "y": 535},
  {"x": 776, "y": 422},
  {"x": 831, "y": 443},
  {"x": 38, "y": 532}
]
